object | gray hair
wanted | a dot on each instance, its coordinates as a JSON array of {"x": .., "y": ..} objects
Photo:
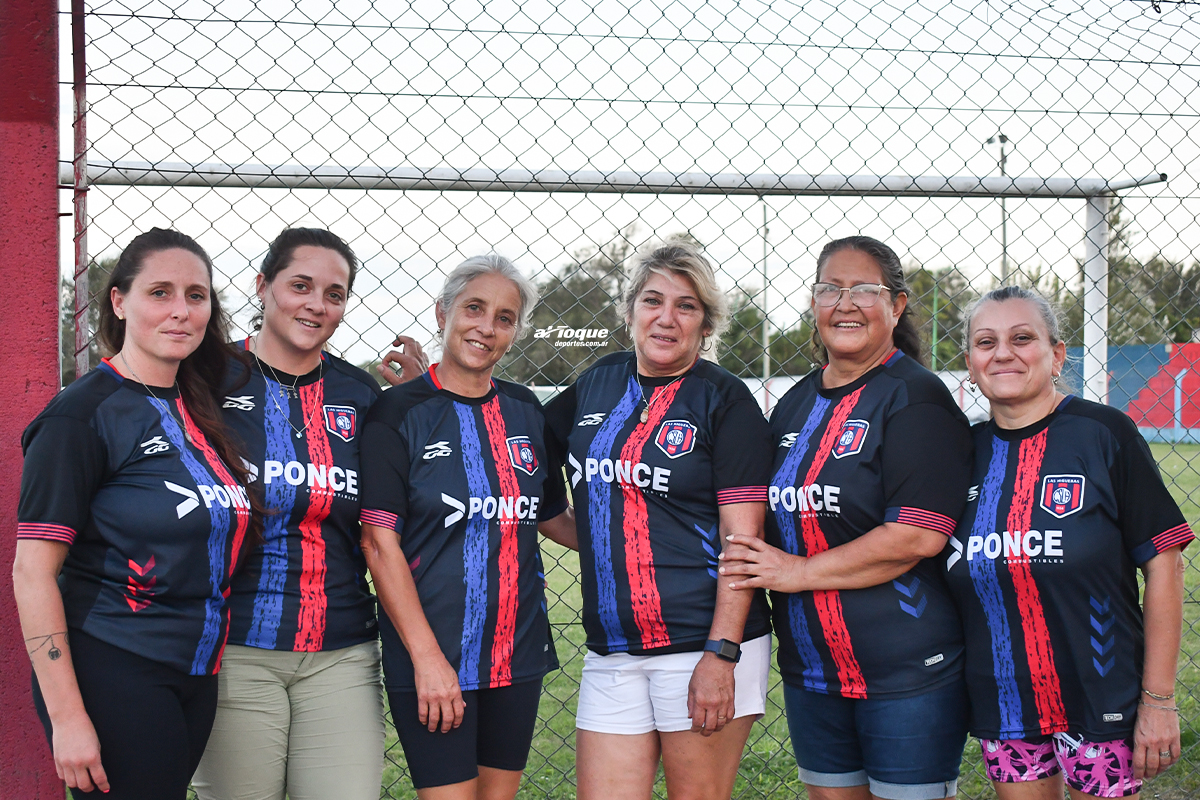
[
  {"x": 681, "y": 257},
  {"x": 477, "y": 266},
  {"x": 1049, "y": 313}
]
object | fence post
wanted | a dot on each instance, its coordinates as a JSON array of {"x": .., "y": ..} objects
[
  {"x": 29, "y": 275},
  {"x": 1095, "y": 300}
]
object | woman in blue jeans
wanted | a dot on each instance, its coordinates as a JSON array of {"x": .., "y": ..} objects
[{"x": 870, "y": 475}]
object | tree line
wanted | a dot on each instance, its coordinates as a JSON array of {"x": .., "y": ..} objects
[{"x": 1151, "y": 301}]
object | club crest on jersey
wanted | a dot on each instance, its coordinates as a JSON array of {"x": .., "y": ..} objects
[
  {"x": 676, "y": 437},
  {"x": 520, "y": 453},
  {"x": 1062, "y": 495},
  {"x": 341, "y": 421},
  {"x": 850, "y": 440}
]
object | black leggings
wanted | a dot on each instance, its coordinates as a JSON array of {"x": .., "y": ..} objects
[
  {"x": 496, "y": 732},
  {"x": 152, "y": 721}
]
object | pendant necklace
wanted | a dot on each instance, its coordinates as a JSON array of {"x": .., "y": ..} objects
[
  {"x": 174, "y": 387},
  {"x": 290, "y": 391},
  {"x": 645, "y": 416}
]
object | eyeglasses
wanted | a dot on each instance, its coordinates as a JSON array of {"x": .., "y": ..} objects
[{"x": 864, "y": 295}]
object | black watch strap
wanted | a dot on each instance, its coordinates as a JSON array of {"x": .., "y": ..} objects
[{"x": 724, "y": 649}]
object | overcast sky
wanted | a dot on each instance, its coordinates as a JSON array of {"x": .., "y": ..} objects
[{"x": 1083, "y": 90}]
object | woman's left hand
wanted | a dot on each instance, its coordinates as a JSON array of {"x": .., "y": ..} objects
[
  {"x": 754, "y": 564},
  {"x": 401, "y": 366},
  {"x": 710, "y": 695},
  {"x": 1155, "y": 732}
]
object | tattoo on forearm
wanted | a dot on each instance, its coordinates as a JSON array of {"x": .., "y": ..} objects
[{"x": 35, "y": 643}]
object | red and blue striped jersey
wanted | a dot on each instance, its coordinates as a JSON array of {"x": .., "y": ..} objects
[
  {"x": 647, "y": 497},
  {"x": 464, "y": 481},
  {"x": 153, "y": 518},
  {"x": 304, "y": 589},
  {"x": 890, "y": 447},
  {"x": 1043, "y": 566}
]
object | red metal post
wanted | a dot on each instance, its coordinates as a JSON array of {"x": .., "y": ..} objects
[{"x": 29, "y": 319}]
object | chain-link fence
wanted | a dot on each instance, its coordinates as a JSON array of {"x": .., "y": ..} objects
[{"x": 981, "y": 140}]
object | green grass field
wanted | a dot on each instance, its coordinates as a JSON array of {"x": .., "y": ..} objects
[{"x": 768, "y": 769}]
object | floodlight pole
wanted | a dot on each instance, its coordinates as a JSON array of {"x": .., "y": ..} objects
[
  {"x": 1003, "y": 140},
  {"x": 766, "y": 331}
]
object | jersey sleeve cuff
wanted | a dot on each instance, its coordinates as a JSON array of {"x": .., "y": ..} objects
[
  {"x": 381, "y": 519},
  {"x": 920, "y": 518},
  {"x": 553, "y": 509},
  {"x": 1180, "y": 536},
  {"x": 46, "y": 530},
  {"x": 741, "y": 494}
]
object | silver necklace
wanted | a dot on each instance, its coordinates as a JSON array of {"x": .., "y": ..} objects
[
  {"x": 654, "y": 396},
  {"x": 291, "y": 392},
  {"x": 174, "y": 388}
]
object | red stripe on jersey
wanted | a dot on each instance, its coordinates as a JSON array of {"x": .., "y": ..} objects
[
  {"x": 931, "y": 520},
  {"x": 241, "y": 512},
  {"x": 1179, "y": 536},
  {"x": 1047, "y": 690},
  {"x": 381, "y": 519},
  {"x": 45, "y": 530},
  {"x": 509, "y": 566},
  {"x": 644, "y": 597},
  {"x": 829, "y": 602},
  {"x": 310, "y": 623},
  {"x": 742, "y": 494}
]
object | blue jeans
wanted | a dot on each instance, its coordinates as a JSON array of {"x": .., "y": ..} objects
[{"x": 906, "y": 748}]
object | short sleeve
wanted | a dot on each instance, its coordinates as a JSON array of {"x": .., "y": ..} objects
[
  {"x": 1149, "y": 518},
  {"x": 560, "y": 416},
  {"x": 64, "y": 466},
  {"x": 927, "y": 453},
  {"x": 554, "y": 490},
  {"x": 742, "y": 455},
  {"x": 384, "y": 464}
]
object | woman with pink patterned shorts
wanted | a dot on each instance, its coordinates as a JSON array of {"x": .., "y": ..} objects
[{"x": 1071, "y": 680}]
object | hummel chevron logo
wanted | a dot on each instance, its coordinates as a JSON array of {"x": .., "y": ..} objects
[{"x": 190, "y": 504}]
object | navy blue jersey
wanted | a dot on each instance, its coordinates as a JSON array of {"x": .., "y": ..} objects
[
  {"x": 890, "y": 447},
  {"x": 647, "y": 497},
  {"x": 305, "y": 588},
  {"x": 1043, "y": 566},
  {"x": 153, "y": 518},
  {"x": 464, "y": 481}
]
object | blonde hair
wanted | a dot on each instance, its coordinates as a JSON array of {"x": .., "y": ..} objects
[{"x": 680, "y": 256}]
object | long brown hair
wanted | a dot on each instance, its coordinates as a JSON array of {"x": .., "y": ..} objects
[{"x": 202, "y": 374}]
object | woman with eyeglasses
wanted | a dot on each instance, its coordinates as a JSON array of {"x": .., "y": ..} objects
[{"x": 872, "y": 460}]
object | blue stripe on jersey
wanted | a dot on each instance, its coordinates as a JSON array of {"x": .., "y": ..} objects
[
  {"x": 987, "y": 587},
  {"x": 281, "y": 500},
  {"x": 216, "y": 539},
  {"x": 475, "y": 551},
  {"x": 814, "y": 672},
  {"x": 600, "y": 517}
]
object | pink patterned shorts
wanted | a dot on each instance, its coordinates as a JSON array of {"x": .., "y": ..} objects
[{"x": 1101, "y": 769}]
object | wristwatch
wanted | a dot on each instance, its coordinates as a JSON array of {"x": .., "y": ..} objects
[{"x": 724, "y": 649}]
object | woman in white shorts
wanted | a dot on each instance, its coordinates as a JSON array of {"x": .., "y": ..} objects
[{"x": 667, "y": 454}]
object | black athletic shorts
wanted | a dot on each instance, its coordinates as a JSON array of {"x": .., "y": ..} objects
[
  {"x": 153, "y": 721},
  {"x": 496, "y": 732}
]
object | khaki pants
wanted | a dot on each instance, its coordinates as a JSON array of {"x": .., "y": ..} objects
[{"x": 308, "y": 724}]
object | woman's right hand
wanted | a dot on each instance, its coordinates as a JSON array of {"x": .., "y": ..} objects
[
  {"x": 77, "y": 754},
  {"x": 439, "y": 697}
]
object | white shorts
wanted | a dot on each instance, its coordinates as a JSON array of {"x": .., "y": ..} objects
[{"x": 621, "y": 693}]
